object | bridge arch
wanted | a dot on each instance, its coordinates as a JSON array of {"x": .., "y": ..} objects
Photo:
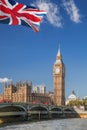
[
  {"x": 55, "y": 108},
  {"x": 55, "y": 112},
  {"x": 38, "y": 107},
  {"x": 12, "y": 112},
  {"x": 38, "y": 111},
  {"x": 11, "y": 107},
  {"x": 69, "y": 112},
  {"x": 67, "y": 109}
]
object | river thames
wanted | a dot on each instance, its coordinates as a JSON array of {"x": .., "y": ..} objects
[{"x": 62, "y": 124}]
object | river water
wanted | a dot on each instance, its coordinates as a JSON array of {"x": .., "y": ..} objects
[{"x": 62, "y": 124}]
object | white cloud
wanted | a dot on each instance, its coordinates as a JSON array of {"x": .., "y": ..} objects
[
  {"x": 52, "y": 10},
  {"x": 2, "y": 80},
  {"x": 72, "y": 10}
]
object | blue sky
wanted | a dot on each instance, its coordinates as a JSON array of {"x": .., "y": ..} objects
[{"x": 26, "y": 55}]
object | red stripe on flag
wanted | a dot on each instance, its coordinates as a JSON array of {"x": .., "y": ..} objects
[
  {"x": 18, "y": 7},
  {"x": 3, "y": 1},
  {"x": 3, "y": 17}
]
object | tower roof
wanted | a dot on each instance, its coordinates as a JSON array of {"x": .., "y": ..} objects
[
  {"x": 59, "y": 53},
  {"x": 59, "y": 57}
]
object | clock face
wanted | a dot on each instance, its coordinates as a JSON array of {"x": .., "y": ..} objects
[{"x": 57, "y": 71}]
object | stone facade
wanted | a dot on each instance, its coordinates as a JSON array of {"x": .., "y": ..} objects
[
  {"x": 22, "y": 92},
  {"x": 39, "y": 89}
]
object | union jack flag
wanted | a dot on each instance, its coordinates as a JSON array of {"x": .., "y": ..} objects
[{"x": 14, "y": 13}]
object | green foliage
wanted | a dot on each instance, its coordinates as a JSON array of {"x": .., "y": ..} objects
[{"x": 78, "y": 102}]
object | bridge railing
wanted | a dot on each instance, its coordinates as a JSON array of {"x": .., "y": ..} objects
[
  {"x": 37, "y": 112},
  {"x": 56, "y": 112},
  {"x": 2, "y": 114}
]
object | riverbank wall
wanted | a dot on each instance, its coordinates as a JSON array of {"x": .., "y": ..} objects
[{"x": 82, "y": 113}]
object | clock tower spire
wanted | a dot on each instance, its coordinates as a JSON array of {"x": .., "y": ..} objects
[
  {"x": 59, "y": 80},
  {"x": 59, "y": 55}
]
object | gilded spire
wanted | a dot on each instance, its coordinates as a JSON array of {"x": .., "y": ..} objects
[{"x": 59, "y": 53}]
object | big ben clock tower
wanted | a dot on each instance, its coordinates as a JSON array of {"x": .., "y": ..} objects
[{"x": 59, "y": 80}]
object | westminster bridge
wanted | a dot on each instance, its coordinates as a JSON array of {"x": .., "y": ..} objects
[{"x": 34, "y": 111}]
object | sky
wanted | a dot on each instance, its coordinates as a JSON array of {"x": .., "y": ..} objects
[{"x": 26, "y": 55}]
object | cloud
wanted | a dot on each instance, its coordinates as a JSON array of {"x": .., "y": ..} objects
[
  {"x": 72, "y": 10},
  {"x": 52, "y": 10},
  {"x": 2, "y": 80}
]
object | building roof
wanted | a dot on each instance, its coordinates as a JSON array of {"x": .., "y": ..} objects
[{"x": 72, "y": 96}]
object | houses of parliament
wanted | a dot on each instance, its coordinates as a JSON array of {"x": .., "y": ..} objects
[{"x": 22, "y": 92}]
